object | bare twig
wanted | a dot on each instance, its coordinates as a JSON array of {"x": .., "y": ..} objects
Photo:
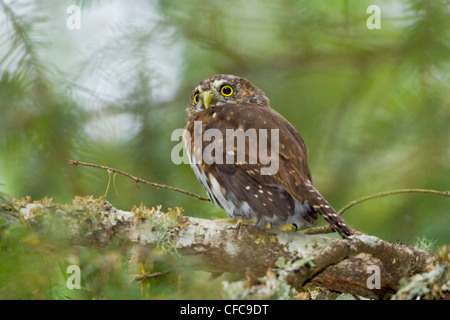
[
  {"x": 140, "y": 277},
  {"x": 388, "y": 193},
  {"x": 136, "y": 179},
  {"x": 328, "y": 229}
]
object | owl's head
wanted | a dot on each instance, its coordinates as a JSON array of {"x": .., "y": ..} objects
[{"x": 225, "y": 89}]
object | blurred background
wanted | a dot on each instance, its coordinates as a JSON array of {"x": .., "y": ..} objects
[{"x": 373, "y": 105}]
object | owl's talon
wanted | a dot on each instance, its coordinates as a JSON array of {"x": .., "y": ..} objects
[{"x": 287, "y": 227}]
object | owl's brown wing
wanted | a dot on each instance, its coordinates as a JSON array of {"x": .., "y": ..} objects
[
  {"x": 277, "y": 196},
  {"x": 287, "y": 196}
]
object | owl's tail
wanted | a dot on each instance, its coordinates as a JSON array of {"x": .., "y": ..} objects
[{"x": 320, "y": 205}]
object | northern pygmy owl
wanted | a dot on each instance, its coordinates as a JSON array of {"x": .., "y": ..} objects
[{"x": 229, "y": 104}]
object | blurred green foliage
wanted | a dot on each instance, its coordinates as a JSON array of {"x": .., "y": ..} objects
[
  {"x": 35, "y": 256},
  {"x": 373, "y": 106}
]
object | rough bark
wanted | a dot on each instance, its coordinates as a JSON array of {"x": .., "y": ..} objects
[{"x": 300, "y": 260}]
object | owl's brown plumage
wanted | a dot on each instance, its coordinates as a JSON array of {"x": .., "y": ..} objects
[{"x": 286, "y": 196}]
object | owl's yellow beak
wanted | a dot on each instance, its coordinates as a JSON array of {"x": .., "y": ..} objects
[{"x": 207, "y": 97}]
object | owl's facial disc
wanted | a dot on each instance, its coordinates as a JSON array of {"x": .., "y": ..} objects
[
  {"x": 222, "y": 90},
  {"x": 218, "y": 93},
  {"x": 207, "y": 98}
]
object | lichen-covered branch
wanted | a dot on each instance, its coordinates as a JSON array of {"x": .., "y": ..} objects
[{"x": 362, "y": 265}]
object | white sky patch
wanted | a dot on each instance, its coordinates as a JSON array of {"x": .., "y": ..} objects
[
  {"x": 99, "y": 63},
  {"x": 105, "y": 26},
  {"x": 113, "y": 128},
  {"x": 98, "y": 79}
]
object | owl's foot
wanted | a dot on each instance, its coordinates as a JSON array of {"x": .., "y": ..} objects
[
  {"x": 287, "y": 227},
  {"x": 260, "y": 225},
  {"x": 238, "y": 223}
]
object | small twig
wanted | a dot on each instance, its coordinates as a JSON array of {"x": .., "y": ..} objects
[
  {"x": 388, "y": 193},
  {"x": 328, "y": 229},
  {"x": 140, "y": 277},
  {"x": 114, "y": 183},
  {"x": 318, "y": 230},
  {"x": 109, "y": 183},
  {"x": 136, "y": 179}
]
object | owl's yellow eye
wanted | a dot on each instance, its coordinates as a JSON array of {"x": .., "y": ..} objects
[
  {"x": 195, "y": 98},
  {"x": 226, "y": 90}
]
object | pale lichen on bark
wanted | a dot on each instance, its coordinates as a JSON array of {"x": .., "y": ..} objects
[{"x": 277, "y": 264}]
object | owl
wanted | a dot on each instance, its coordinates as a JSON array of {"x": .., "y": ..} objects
[{"x": 234, "y": 171}]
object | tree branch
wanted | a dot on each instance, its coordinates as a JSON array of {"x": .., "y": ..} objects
[{"x": 216, "y": 246}]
